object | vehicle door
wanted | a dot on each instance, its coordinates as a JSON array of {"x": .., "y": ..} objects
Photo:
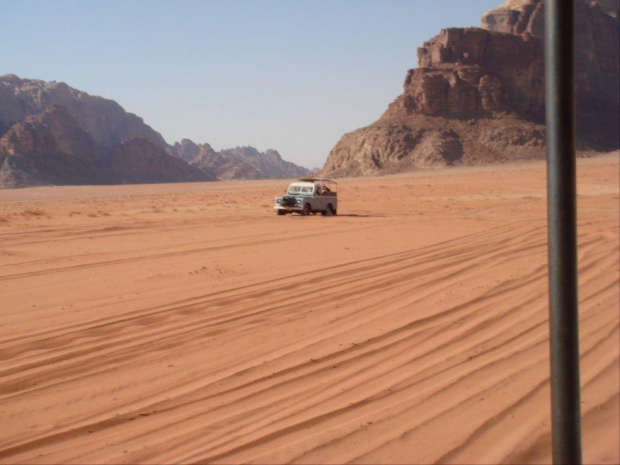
[{"x": 320, "y": 201}]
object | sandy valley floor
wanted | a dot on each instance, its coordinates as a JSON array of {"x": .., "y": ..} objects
[{"x": 188, "y": 323}]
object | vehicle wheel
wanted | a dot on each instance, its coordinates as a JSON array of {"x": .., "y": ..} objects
[
  {"x": 329, "y": 211},
  {"x": 306, "y": 210},
  {"x": 280, "y": 212}
]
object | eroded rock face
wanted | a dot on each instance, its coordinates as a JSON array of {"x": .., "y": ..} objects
[
  {"x": 49, "y": 148},
  {"x": 465, "y": 72},
  {"x": 106, "y": 121},
  {"x": 227, "y": 167},
  {"x": 420, "y": 141},
  {"x": 54, "y": 134},
  {"x": 516, "y": 17},
  {"x": 477, "y": 95},
  {"x": 527, "y": 16},
  {"x": 597, "y": 60},
  {"x": 188, "y": 150},
  {"x": 52, "y": 149},
  {"x": 391, "y": 148},
  {"x": 596, "y": 39},
  {"x": 139, "y": 160}
]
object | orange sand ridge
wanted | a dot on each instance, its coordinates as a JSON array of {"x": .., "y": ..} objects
[{"x": 188, "y": 323}]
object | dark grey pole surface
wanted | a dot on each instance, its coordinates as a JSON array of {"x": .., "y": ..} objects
[{"x": 562, "y": 232}]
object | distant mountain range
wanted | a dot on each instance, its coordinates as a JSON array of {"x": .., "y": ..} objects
[
  {"x": 52, "y": 134},
  {"x": 237, "y": 163},
  {"x": 477, "y": 95}
]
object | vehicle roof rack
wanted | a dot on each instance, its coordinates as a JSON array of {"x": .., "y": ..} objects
[{"x": 317, "y": 179}]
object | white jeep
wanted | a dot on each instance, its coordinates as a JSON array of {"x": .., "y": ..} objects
[{"x": 309, "y": 195}]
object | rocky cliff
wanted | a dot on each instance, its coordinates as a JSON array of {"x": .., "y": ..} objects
[
  {"x": 237, "y": 163},
  {"x": 596, "y": 58},
  {"x": 474, "y": 72},
  {"x": 52, "y": 149},
  {"x": 477, "y": 96},
  {"x": 106, "y": 121},
  {"x": 138, "y": 160},
  {"x": 49, "y": 148}
]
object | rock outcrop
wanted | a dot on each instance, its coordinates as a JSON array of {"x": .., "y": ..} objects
[
  {"x": 52, "y": 149},
  {"x": 49, "y": 148},
  {"x": 54, "y": 134},
  {"x": 237, "y": 163},
  {"x": 106, "y": 121},
  {"x": 137, "y": 160},
  {"x": 393, "y": 145},
  {"x": 477, "y": 96},
  {"x": 516, "y": 17},
  {"x": 596, "y": 58}
]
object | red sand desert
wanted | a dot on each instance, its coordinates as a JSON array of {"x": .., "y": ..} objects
[{"x": 188, "y": 323}]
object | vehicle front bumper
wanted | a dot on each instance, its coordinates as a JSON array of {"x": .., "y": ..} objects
[{"x": 288, "y": 208}]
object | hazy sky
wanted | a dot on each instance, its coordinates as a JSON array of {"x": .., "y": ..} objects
[{"x": 289, "y": 75}]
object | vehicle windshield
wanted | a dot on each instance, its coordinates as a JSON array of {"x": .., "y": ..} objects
[
  {"x": 297, "y": 190},
  {"x": 306, "y": 188}
]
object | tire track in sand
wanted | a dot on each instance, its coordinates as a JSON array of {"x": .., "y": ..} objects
[{"x": 345, "y": 376}]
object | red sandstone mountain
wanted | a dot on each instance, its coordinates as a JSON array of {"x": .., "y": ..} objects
[
  {"x": 477, "y": 96},
  {"x": 53, "y": 134},
  {"x": 137, "y": 160},
  {"x": 52, "y": 149},
  {"x": 106, "y": 121},
  {"x": 49, "y": 148}
]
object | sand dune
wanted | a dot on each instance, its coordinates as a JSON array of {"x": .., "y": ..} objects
[{"x": 189, "y": 324}]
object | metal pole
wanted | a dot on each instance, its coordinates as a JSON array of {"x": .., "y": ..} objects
[{"x": 562, "y": 232}]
